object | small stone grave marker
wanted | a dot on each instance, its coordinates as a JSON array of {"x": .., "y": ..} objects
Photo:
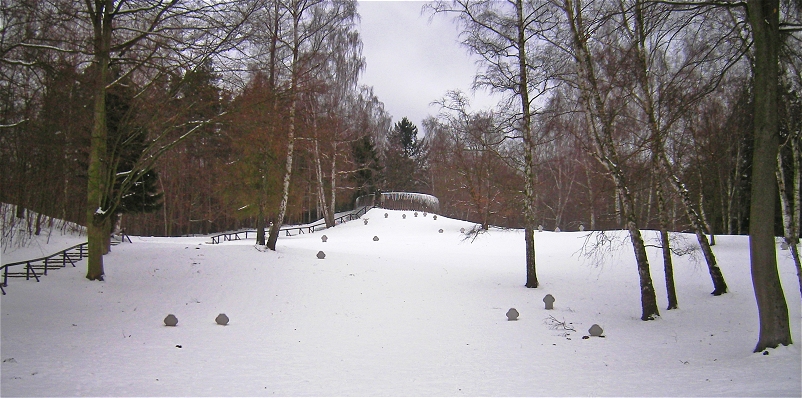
[
  {"x": 581, "y": 227},
  {"x": 462, "y": 230},
  {"x": 549, "y": 300},
  {"x": 441, "y": 230},
  {"x": 596, "y": 330},
  {"x": 416, "y": 214},
  {"x": 222, "y": 319},
  {"x": 170, "y": 320},
  {"x": 557, "y": 229},
  {"x": 540, "y": 228},
  {"x": 321, "y": 255},
  {"x": 386, "y": 215},
  {"x": 366, "y": 221},
  {"x": 425, "y": 214},
  {"x": 512, "y": 314},
  {"x": 404, "y": 216},
  {"x": 375, "y": 238},
  {"x": 434, "y": 217},
  {"x": 324, "y": 238}
]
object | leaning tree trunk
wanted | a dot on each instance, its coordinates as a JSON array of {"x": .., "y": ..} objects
[
  {"x": 285, "y": 196},
  {"x": 664, "y": 165},
  {"x": 282, "y": 208},
  {"x": 775, "y": 329},
  {"x": 601, "y": 126}
]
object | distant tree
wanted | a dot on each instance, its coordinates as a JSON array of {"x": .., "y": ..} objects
[
  {"x": 404, "y": 158},
  {"x": 368, "y": 167}
]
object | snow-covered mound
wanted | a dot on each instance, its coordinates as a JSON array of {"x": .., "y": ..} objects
[{"x": 418, "y": 312}]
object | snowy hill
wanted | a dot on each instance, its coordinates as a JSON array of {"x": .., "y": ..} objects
[{"x": 418, "y": 312}]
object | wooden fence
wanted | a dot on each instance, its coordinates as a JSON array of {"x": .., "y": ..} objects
[
  {"x": 53, "y": 261},
  {"x": 300, "y": 229}
]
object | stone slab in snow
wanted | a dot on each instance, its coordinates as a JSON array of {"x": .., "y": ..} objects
[
  {"x": 170, "y": 320},
  {"x": 512, "y": 314}
]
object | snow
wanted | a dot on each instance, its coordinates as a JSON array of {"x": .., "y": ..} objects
[{"x": 415, "y": 313}]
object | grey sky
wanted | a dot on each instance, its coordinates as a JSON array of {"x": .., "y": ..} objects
[{"x": 412, "y": 61}]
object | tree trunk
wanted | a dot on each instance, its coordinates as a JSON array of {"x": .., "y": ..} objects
[
  {"x": 529, "y": 149},
  {"x": 772, "y": 308},
  {"x": 600, "y": 126},
  {"x": 668, "y": 265},
  {"x": 333, "y": 197},
  {"x": 96, "y": 216},
  {"x": 531, "y": 274},
  {"x": 282, "y": 208},
  {"x": 260, "y": 226},
  {"x": 664, "y": 165},
  {"x": 790, "y": 236}
]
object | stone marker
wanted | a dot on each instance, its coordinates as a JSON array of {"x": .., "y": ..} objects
[
  {"x": 375, "y": 238},
  {"x": 321, "y": 255},
  {"x": 324, "y": 238},
  {"x": 434, "y": 217},
  {"x": 512, "y": 314},
  {"x": 540, "y": 228},
  {"x": 783, "y": 246},
  {"x": 416, "y": 214},
  {"x": 595, "y": 330},
  {"x": 425, "y": 214},
  {"x": 366, "y": 221},
  {"x": 462, "y": 230},
  {"x": 581, "y": 227},
  {"x": 441, "y": 230},
  {"x": 170, "y": 320},
  {"x": 549, "y": 300},
  {"x": 557, "y": 229},
  {"x": 404, "y": 216},
  {"x": 221, "y": 319},
  {"x": 386, "y": 215}
]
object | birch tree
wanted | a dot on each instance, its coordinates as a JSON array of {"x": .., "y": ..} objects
[
  {"x": 667, "y": 85},
  {"x": 600, "y": 122},
  {"x": 312, "y": 24},
  {"x": 502, "y": 34}
]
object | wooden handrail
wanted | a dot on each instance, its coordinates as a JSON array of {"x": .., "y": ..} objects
[
  {"x": 311, "y": 228},
  {"x": 83, "y": 251}
]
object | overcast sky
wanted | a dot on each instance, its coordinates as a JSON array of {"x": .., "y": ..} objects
[{"x": 412, "y": 61}]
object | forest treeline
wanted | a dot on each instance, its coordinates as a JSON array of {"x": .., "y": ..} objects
[
  {"x": 232, "y": 169},
  {"x": 191, "y": 117}
]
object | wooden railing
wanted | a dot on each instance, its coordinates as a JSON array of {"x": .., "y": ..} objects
[
  {"x": 300, "y": 229},
  {"x": 81, "y": 251},
  {"x": 53, "y": 261}
]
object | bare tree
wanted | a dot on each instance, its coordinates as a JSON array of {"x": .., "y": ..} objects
[
  {"x": 600, "y": 122},
  {"x": 503, "y": 34},
  {"x": 313, "y": 24}
]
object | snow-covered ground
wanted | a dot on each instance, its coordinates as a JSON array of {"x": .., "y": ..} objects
[{"x": 417, "y": 312}]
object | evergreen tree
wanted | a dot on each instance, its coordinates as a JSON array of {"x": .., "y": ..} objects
[
  {"x": 368, "y": 168},
  {"x": 405, "y": 159}
]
